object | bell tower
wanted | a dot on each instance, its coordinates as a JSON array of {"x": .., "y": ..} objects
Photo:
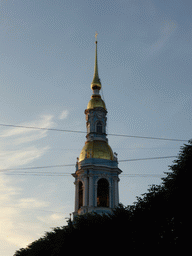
[{"x": 96, "y": 176}]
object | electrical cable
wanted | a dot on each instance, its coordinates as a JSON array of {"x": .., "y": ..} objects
[
  {"x": 40, "y": 128},
  {"x": 110, "y": 134},
  {"x": 62, "y": 165},
  {"x": 12, "y": 206},
  {"x": 35, "y": 167},
  {"x": 144, "y": 137},
  {"x": 63, "y": 175},
  {"x": 150, "y": 158}
]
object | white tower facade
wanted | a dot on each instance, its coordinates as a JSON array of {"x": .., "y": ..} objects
[{"x": 97, "y": 172}]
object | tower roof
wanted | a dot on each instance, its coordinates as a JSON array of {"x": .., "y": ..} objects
[
  {"x": 96, "y": 149},
  {"x": 96, "y": 102},
  {"x": 96, "y": 83}
]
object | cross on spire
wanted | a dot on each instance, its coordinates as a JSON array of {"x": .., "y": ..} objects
[{"x": 96, "y": 34}]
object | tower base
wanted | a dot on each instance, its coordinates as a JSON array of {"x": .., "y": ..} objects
[{"x": 87, "y": 209}]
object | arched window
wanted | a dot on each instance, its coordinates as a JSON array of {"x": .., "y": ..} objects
[
  {"x": 88, "y": 128},
  {"x": 80, "y": 194},
  {"x": 103, "y": 193},
  {"x": 99, "y": 127}
]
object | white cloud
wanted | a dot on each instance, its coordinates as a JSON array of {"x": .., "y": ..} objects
[
  {"x": 64, "y": 114},
  {"x": 18, "y": 223},
  {"x": 56, "y": 216},
  {"x": 14, "y": 150},
  {"x": 53, "y": 220},
  {"x": 30, "y": 203},
  {"x": 167, "y": 27},
  {"x": 44, "y": 122},
  {"x": 14, "y": 158},
  {"x": 7, "y": 191},
  {"x": 18, "y": 146},
  {"x": 166, "y": 31}
]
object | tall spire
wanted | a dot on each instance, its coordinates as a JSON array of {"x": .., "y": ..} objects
[
  {"x": 97, "y": 172},
  {"x": 96, "y": 81}
]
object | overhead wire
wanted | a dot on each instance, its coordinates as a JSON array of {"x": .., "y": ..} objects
[
  {"x": 64, "y": 165},
  {"x": 40, "y": 128},
  {"x": 23, "y": 171},
  {"x": 149, "y": 158},
  {"x": 25, "y": 208},
  {"x": 74, "y": 131},
  {"x": 145, "y": 175},
  {"x": 145, "y": 137},
  {"x": 35, "y": 167},
  {"x": 67, "y": 165}
]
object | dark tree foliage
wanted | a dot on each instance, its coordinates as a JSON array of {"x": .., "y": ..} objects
[{"x": 160, "y": 221}]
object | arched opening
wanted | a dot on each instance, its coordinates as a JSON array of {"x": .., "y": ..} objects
[
  {"x": 99, "y": 127},
  {"x": 80, "y": 194},
  {"x": 88, "y": 127},
  {"x": 103, "y": 193}
]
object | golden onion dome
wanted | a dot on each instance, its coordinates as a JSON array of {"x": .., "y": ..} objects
[
  {"x": 96, "y": 149},
  {"x": 96, "y": 102}
]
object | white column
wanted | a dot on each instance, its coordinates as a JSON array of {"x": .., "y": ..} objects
[
  {"x": 117, "y": 191},
  {"x": 95, "y": 187},
  {"x": 90, "y": 190},
  {"x": 110, "y": 191},
  {"x": 85, "y": 188},
  {"x": 116, "y": 201},
  {"x": 76, "y": 195}
]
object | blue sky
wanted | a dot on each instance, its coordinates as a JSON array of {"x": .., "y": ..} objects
[{"x": 47, "y": 63}]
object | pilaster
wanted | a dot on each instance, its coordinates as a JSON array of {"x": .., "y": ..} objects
[
  {"x": 90, "y": 190},
  {"x": 85, "y": 190}
]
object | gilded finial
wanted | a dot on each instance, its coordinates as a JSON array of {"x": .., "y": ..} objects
[
  {"x": 96, "y": 81},
  {"x": 96, "y": 34}
]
